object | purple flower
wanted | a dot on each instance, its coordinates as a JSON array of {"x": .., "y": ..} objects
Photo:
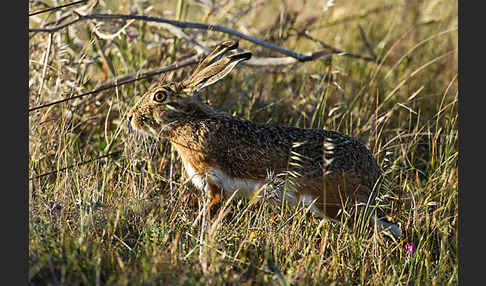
[
  {"x": 410, "y": 248},
  {"x": 367, "y": 262},
  {"x": 131, "y": 36},
  {"x": 298, "y": 277}
]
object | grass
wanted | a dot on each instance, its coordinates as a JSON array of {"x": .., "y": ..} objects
[{"x": 134, "y": 219}]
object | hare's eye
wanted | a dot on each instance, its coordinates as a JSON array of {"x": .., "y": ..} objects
[{"x": 159, "y": 96}]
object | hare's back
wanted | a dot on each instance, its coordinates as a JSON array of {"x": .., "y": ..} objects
[{"x": 252, "y": 150}]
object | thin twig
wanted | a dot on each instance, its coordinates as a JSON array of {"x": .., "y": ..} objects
[
  {"x": 55, "y": 22},
  {"x": 56, "y": 28},
  {"x": 125, "y": 79},
  {"x": 112, "y": 36},
  {"x": 336, "y": 51},
  {"x": 75, "y": 165},
  {"x": 61, "y": 18},
  {"x": 367, "y": 43},
  {"x": 56, "y": 8}
]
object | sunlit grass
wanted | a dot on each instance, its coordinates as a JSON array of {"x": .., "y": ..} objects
[{"x": 135, "y": 219}]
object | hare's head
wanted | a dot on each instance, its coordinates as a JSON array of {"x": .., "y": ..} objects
[{"x": 170, "y": 102}]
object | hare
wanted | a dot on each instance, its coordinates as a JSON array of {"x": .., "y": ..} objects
[{"x": 223, "y": 154}]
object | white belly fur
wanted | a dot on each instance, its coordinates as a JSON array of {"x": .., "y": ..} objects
[{"x": 245, "y": 187}]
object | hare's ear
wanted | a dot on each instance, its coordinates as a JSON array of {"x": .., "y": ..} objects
[
  {"x": 216, "y": 54},
  {"x": 215, "y": 71},
  {"x": 214, "y": 67}
]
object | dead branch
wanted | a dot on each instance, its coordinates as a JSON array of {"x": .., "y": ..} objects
[
  {"x": 302, "y": 57},
  {"x": 173, "y": 27},
  {"x": 57, "y": 7}
]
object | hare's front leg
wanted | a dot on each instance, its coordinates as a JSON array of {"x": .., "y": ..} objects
[{"x": 216, "y": 198}]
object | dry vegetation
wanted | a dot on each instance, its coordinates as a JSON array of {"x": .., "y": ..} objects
[{"x": 131, "y": 217}]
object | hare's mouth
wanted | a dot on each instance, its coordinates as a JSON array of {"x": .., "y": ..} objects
[
  {"x": 145, "y": 131},
  {"x": 141, "y": 128}
]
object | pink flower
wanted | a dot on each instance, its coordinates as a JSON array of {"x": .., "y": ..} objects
[
  {"x": 367, "y": 262},
  {"x": 131, "y": 36},
  {"x": 410, "y": 248}
]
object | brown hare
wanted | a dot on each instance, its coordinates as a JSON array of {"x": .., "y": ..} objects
[{"x": 223, "y": 154}]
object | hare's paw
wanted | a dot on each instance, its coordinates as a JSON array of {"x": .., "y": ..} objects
[{"x": 392, "y": 228}]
